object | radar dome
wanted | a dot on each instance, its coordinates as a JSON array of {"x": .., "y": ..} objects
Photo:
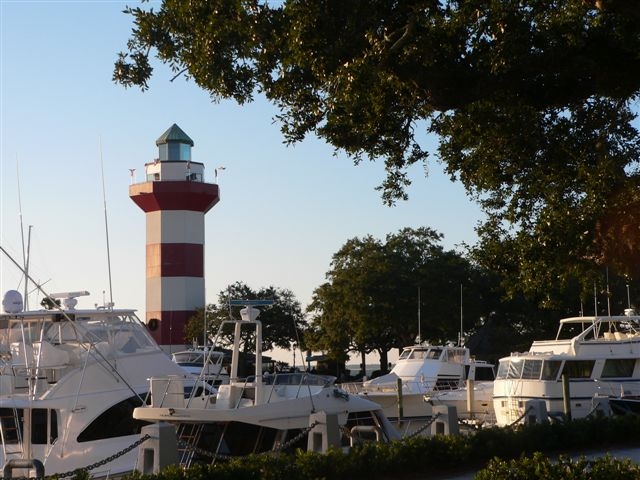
[
  {"x": 249, "y": 313},
  {"x": 12, "y": 302}
]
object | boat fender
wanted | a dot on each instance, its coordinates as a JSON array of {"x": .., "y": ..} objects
[{"x": 153, "y": 324}]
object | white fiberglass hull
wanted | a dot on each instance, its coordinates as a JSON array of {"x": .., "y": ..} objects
[
  {"x": 511, "y": 397},
  {"x": 282, "y": 414},
  {"x": 412, "y": 404}
]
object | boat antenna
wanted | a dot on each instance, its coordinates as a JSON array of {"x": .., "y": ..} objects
[
  {"x": 106, "y": 226},
  {"x": 595, "y": 300},
  {"x": 608, "y": 295},
  {"x": 204, "y": 323},
  {"x": 24, "y": 252},
  {"x": 419, "y": 334},
  {"x": 461, "y": 318},
  {"x": 628, "y": 295}
]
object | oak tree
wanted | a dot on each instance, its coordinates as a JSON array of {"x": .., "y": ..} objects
[
  {"x": 282, "y": 322},
  {"x": 375, "y": 289},
  {"x": 532, "y": 102}
]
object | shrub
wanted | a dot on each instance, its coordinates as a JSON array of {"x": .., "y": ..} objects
[{"x": 512, "y": 452}]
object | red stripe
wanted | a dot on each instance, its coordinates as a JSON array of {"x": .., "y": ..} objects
[
  {"x": 171, "y": 326},
  {"x": 175, "y": 195},
  {"x": 175, "y": 260}
]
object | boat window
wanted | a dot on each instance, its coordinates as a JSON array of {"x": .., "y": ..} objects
[
  {"x": 433, "y": 353},
  {"x": 570, "y": 330},
  {"x": 44, "y": 425},
  {"x": 455, "y": 355},
  {"x": 531, "y": 369},
  {"x": 404, "y": 355},
  {"x": 484, "y": 373},
  {"x": 550, "y": 369},
  {"x": 503, "y": 369},
  {"x": 578, "y": 368},
  {"x": 116, "y": 421},
  {"x": 515, "y": 368},
  {"x": 622, "y": 367},
  {"x": 416, "y": 354},
  {"x": 41, "y": 418}
]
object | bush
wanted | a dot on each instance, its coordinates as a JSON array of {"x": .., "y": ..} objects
[
  {"x": 539, "y": 467},
  {"x": 520, "y": 452}
]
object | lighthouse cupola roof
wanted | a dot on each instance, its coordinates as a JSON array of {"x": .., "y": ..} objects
[{"x": 174, "y": 145}]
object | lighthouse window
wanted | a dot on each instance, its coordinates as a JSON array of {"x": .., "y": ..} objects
[{"x": 185, "y": 151}]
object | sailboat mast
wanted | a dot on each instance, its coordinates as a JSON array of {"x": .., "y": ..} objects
[
  {"x": 24, "y": 252},
  {"x": 106, "y": 226},
  {"x": 419, "y": 334},
  {"x": 460, "y": 340}
]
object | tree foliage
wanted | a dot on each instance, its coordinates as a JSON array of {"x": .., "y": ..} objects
[
  {"x": 375, "y": 289},
  {"x": 531, "y": 101},
  {"x": 282, "y": 322}
]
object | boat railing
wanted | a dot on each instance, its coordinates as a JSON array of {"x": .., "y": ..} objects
[
  {"x": 169, "y": 391},
  {"x": 412, "y": 386},
  {"x": 293, "y": 385},
  {"x": 617, "y": 389},
  {"x": 446, "y": 385}
]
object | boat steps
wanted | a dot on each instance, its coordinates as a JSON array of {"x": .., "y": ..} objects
[
  {"x": 10, "y": 431},
  {"x": 188, "y": 438}
]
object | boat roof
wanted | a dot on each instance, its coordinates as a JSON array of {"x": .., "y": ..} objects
[
  {"x": 426, "y": 346},
  {"x": 58, "y": 314},
  {"x": 595, "y": 319}
]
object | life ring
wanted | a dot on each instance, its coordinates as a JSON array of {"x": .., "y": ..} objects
[{"x": 153, "y": 324}]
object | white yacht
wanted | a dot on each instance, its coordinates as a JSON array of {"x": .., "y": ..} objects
[
  {"x": 263, "y": 412},
  {"x": 473, "y": 401},
  {"x": 423, "y": 370},
  {"x": 69, "y": 381},
  {"x": 590, "y": 358},
  {"x": 203, "y": 362}
]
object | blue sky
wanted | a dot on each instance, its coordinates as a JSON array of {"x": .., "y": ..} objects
[{"x": 284, "y": 211}]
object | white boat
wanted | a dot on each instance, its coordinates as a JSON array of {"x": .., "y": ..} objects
[
  {"x": 69, "y": 381},
  {"x": 203, "y": 362},
  {"x": 591, "y": 358},
  {"x": 422, "y": 369},
  {"x": 261, "y": 413},
  {"x": 473, "y": 402}
]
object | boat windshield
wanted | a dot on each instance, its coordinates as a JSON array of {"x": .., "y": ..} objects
[
  {"x": 121, "y": 332},
  {"x": 422, "y": 353},
  {"x": 296, "y": 379},
  {"x": 528, "y": 369}
]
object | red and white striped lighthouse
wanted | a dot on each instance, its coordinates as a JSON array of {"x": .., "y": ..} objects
[{"x": 174, "y": 198}]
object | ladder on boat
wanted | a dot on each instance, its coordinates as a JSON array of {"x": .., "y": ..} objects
[
  {"x": 188, "y": 437},
  {"x": 10, "y": 432}
]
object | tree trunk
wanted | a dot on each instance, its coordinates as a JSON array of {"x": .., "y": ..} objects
[{"x": 384, "y": 361}]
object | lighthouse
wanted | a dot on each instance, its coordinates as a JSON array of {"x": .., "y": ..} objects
[{"x": 175, "y": 198}]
